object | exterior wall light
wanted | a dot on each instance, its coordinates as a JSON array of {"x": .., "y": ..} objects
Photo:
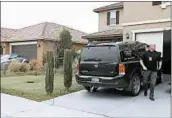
[
  {"x": 127, "y": 36},
  {"x": 39, "y": 45}
]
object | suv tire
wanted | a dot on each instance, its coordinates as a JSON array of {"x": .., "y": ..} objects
[
  {"x": 135, "y": 84},
  {"x": 89, "y": 89}
]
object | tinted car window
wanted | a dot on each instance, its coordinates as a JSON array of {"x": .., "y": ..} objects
[{"x": 102, "y": 53}]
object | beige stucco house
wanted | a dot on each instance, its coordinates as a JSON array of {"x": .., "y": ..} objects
[
  {"x": 141, "y": 21},
  {"x": 34, "y": 41}
]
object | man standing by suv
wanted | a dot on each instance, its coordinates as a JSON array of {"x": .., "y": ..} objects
[{"x": 149, "y": 62}]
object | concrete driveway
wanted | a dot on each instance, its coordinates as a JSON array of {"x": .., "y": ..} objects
[
  {"x": 111, "y": 103},
  {"x": 12, "y": 106}
]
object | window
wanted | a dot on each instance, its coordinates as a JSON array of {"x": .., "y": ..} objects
[
  {"x": 103, "y": 53},
  {"x": 127, "y": 56},
  {"x": 156, "y": 3},
  {"x": 166, "y": 3},
  {"x": 112, "y": 17}
]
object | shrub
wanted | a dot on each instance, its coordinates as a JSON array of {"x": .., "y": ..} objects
[
  {"x": 74, "y": 65},
  {"x": 14, "y": 66},
  {"x": 49, "y": 78},
  {"x": 35, "y": 66},
  {"x": 24, "y": 67},
  {"x": 67, "y": 69},
  {"x": 44, "y": 58},
  {"x": 74, "y": 54}
]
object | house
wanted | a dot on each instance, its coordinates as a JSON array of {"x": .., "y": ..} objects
[
  {"x": 137, "y": 21},
  {"x": 34, "y": 41},
  {"x": 6, "y": 33}
]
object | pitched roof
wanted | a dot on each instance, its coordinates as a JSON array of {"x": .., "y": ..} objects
[
  {"x": 106, "y": 33},
  {"x": 109, "y": 7},
  {"x": 6, "y": 33},
  {"x": 45, "y": 31}
]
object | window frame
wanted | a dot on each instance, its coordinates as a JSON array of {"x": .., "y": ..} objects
[
  {"x": 111, "y": 11},
  {"x": 166, "y": 3},
  {"x": 163, "y": 4}
]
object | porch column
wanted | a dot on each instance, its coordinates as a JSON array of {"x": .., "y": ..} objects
[
  {"x": 6, "y": 48},
  {"x": 40, "y": 52}
]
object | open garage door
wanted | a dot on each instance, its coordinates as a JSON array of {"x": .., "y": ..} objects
[
  {"x": 29, "y": 51},
  {"x": 152, "y": 38}
]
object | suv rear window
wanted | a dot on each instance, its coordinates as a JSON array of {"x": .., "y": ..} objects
[{"x": 101, "y": 53}]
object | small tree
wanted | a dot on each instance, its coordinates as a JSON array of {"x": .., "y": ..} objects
[
  {"x": 67, "y": 69},
  {"x": 65, "y": 42},
  {"x": 49, "y": 78}
]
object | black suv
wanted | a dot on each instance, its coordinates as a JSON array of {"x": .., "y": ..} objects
[{"x": 113, "y": 65}]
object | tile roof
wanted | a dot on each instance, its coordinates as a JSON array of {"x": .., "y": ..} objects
[
  {"x": 111, "y": 32},
  {"x": 7, "y": 32},
  {"x": 109, "y": 7},
  {"x": 45, "y": 31}
]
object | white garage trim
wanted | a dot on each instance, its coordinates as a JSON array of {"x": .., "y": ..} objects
[
  {"x": 23, "y": 43},
  {"x": 147, "y": 22},
  {"x": 147, "y": 30},
  {"x": 20, "y": 43}
]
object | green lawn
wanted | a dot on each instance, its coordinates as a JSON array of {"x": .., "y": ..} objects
[
  {"x": 17, "y": 85},
  {"x": 9, "y": 74}
]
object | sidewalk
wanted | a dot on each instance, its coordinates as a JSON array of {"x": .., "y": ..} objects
[{"x": 12, "y": 106}]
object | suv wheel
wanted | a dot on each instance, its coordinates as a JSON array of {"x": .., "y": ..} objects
[
  {"x": 89, "y": 89},
  {"x": 136, "y": 85}
]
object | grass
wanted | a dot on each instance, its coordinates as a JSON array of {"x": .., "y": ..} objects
[
  {"x": 9, "y": 74},
  {"x": 33, "y": 87}
]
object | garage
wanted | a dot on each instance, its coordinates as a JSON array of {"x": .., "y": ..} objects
[
  {"x": 151, "y": 38},
  {"x": 27, "y": 50}
]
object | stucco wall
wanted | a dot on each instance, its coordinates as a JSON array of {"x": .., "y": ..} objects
[
  {"x": 135, "y": 12},
  {"x": 44, "y": 47},
  {"x": 127, "y": 29},
  {"x": 40, "y": 51},
  {"x": 77, "y": 46},
  {"x": 141, "y": 11}
]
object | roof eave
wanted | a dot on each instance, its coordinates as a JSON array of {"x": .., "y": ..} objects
[
  {"x": 35, "y": 39},
  {"x": 106, "y": 9}
]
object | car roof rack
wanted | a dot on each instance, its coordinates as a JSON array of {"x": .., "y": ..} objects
[
  {"x": 133, "y": 44},
  {"x": 98, "y": 42}
]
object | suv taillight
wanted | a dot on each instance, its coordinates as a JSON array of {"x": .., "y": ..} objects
[{"x": 121, "y": 69}]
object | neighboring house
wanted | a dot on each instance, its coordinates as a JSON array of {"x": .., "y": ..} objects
[
  {"x": 141, "y": 21},
  {"x": 34, "y": 41},
  {"x": 6, "y": 33}
]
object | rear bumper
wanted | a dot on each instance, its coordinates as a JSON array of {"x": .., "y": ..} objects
[{"x": 109, "y": 82}]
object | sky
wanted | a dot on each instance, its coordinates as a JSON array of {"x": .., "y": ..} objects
[{"x": 77, "y": 15}]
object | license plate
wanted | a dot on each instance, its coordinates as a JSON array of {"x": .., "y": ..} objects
[{"x": 95, "y": 79}]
